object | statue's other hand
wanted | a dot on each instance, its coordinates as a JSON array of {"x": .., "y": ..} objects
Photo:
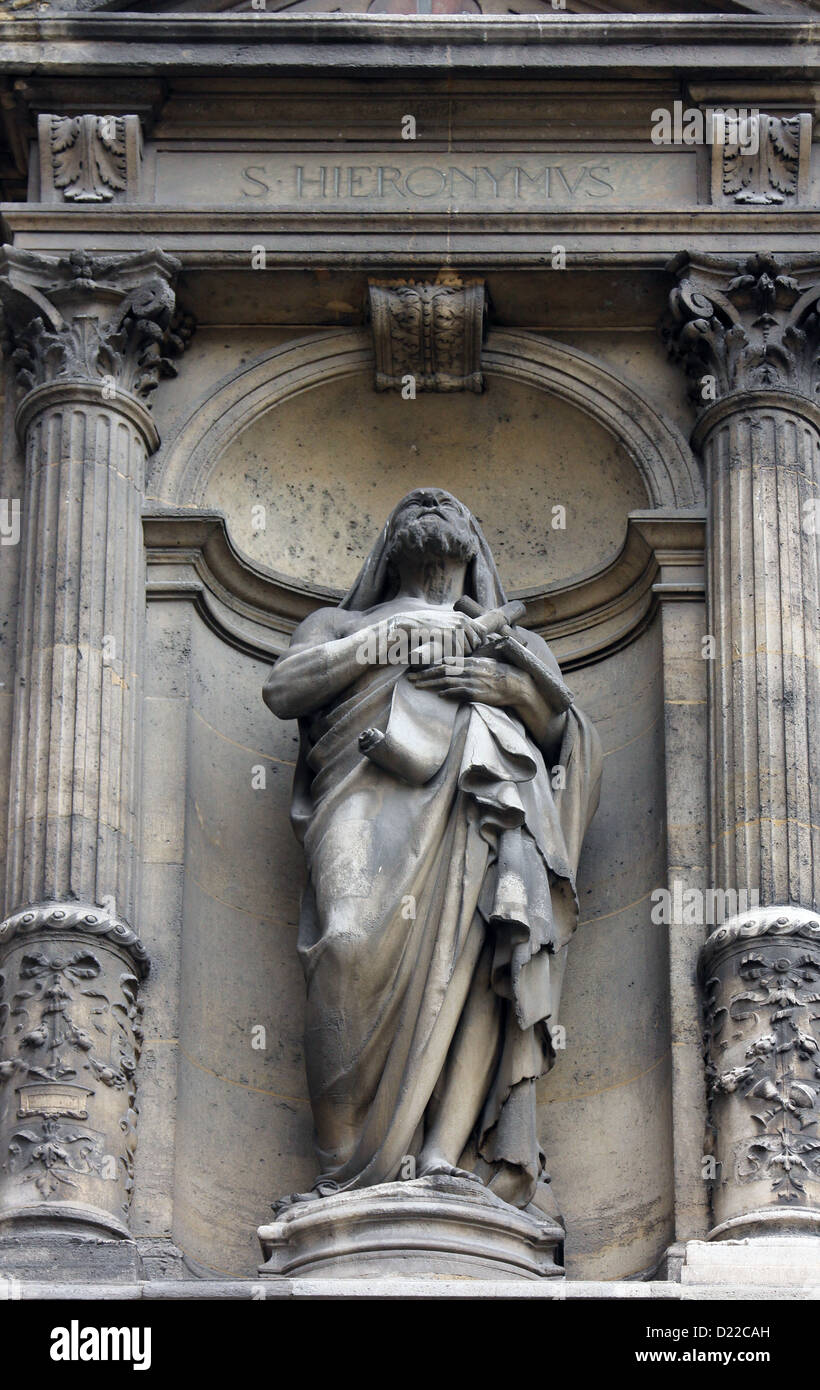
[
  {"x": 479, "y": 679},
  {"x": 420, "y": 637}
]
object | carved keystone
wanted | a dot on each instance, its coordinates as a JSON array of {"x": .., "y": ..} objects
[{"x": 431, "y": 333}]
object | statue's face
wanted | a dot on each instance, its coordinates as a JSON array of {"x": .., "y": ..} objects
[{"x": 431, "y": 523}]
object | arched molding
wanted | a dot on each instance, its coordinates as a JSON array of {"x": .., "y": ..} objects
[{"x": 659, "y": 452}]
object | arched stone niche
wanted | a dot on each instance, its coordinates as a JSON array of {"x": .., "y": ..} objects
[
  {"x": 551, "y": 487},
  {"x": 554, "y": 428},
  {"x": 302, "y": 432}
]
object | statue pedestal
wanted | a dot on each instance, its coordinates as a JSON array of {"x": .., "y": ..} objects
[{"x": 428, "y": 1227}]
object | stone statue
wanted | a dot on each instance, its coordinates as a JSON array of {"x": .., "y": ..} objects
[{"x": 443, "y": 788}]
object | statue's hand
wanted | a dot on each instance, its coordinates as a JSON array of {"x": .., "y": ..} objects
[
  {"x": 423, "y": 636},
  {"x": 479, "y": 679}
]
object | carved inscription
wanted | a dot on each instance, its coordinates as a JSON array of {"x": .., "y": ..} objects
[{"x": 458, "y": 181}]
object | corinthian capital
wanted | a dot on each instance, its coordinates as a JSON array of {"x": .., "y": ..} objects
[
  {"x": 745, "y": 326},
  {"x": 100, "y": 320}
]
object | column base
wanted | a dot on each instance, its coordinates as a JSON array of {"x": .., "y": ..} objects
[
  {"x": 57, "y": 1257},
  {"x": 769, "y": 1257},
  {"x": 432, "y": 1228}
]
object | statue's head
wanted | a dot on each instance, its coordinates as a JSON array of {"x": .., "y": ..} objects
[
  {"x": 431, "y": 522},
  {"x": 428, "y": 521}
]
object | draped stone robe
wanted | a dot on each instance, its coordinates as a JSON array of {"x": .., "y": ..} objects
[{"x": 431, "y": 910}]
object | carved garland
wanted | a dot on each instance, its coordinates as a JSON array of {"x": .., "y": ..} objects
[
  {"x": 70, "y": 1023},
  {"x": 767, "y": 1001}
]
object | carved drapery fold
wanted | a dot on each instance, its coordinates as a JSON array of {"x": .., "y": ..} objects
[
  {"x": 761, "y": 984},
  {"x": 431, "y": 333}
]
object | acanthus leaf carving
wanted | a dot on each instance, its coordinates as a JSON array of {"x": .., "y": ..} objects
[
  {"x": 769, "y": 169},
  {"x": 129, "y": 347},
  {"x": 744, "y": 326},
  {"x": 88, "y": 153},
  {"x": 52, "y": 1155},
  {"x": 428, "y": 331},
  {"x": 89, "y": 158}
]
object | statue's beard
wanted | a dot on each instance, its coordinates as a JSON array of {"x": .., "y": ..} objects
[{"x": 430, "y": 537}]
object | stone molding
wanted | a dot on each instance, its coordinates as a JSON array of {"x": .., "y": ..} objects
[
  {"x": 191, "y": 557},
  {"x": 746, "y": 402},
  {"x": 82, "y": 919},
  {"x": 330, "y": 42},
  {"x": 659, "y": 452},
  {"x": 425, "y": 1227},
  {"x": 429, "y": 331},
  {"x": 74, "y": 394},
  {"x": 774, "y": 924}
]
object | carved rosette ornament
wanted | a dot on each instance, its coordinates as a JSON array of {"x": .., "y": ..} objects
[
  {"x": 70, "y": 1038},
  {"x": 760, "y": 976},
  {"x": 428, "y": 333}
]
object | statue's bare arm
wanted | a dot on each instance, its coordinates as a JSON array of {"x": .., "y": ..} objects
[
  {"x": 322, "y": 660},
  {"x": 329, "y": 649}
]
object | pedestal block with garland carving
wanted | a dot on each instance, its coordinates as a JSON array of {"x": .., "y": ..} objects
[{"x": 69, "y": 1044}]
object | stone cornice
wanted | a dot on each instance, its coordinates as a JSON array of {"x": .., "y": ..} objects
[
  {"x": 191, "y": 557},
  {"x": 537, "y": 43},
  {"x": 211, "y": 240}
]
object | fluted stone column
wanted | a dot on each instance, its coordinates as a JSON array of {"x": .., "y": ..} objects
[
  {"x": 748, "y": 336},
  {"x": 89, "y": 340}
]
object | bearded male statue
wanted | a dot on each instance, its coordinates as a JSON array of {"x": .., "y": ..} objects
[{"x": 442, "y": 847}]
